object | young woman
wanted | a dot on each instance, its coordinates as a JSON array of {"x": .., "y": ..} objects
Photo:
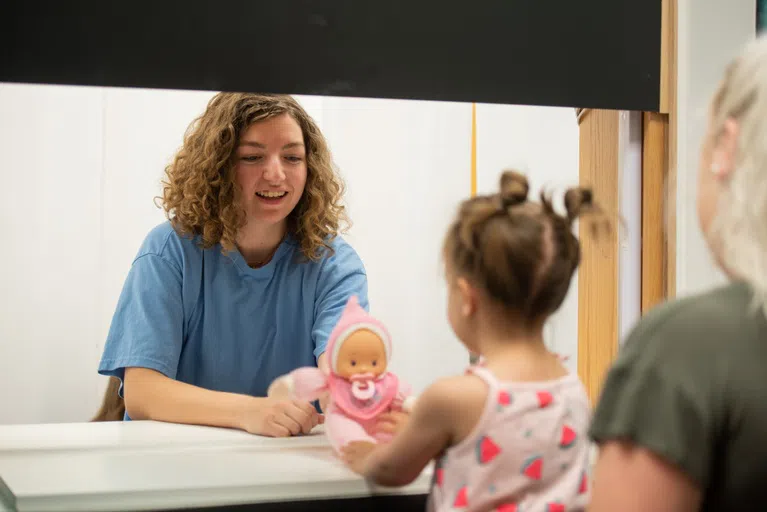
[{"x": 247, "y": 278}]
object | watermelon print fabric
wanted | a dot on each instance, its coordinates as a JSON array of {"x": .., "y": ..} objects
[{"x": 530, "y": 452}]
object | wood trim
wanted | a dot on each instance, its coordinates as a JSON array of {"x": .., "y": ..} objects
[
  {"x": 659, "y": 175},
  {"x": 473, "y": 149},
  {"x": 654, "y": 245},
  {"x": 598, "y": 273},
  {"x": 598, "y": 298},
  {"x": 669, "y": 70},
  {"x": 669, "y": 213},
  {"x": 473, "y": 358},
  {"x": 668, "y": 56}
]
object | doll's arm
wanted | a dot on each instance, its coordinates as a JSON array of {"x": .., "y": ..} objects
[{"x": 306, "y": 384}]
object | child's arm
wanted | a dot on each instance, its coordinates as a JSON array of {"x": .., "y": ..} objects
[{"x": 426, "y": 434}]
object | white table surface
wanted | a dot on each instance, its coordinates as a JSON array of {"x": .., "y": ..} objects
[{"x": 149, "y": 465}]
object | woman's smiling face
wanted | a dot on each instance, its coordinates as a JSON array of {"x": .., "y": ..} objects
[{"x": 271, "y": 169}]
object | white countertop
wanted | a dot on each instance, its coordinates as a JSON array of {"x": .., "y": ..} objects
[{"x": 149, "y": 465}]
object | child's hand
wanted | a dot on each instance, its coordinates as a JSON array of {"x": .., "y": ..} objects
[
  {"x": 356, "y": 454},
  {"x": 392, "y": 422}
]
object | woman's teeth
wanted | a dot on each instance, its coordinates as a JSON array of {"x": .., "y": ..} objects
[{"x": 271, "y": 195}]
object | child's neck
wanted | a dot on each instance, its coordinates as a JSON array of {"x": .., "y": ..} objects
[
  {"x": 519, "y": 356},
  {"x": 498, "y": 331},
  {"x": 502, "y": 349}
]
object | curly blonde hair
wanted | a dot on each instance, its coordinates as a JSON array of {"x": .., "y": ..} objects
[{"x": 201, "y": 198}]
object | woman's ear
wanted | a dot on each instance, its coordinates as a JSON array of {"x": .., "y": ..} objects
[
  {"x": 723, "y": 157},
  {"x": 468, "y": 297}
]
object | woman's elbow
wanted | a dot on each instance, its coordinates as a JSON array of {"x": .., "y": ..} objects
[
  {"x": 135, "y": 395},
  {"x": 135, "y": 409}
]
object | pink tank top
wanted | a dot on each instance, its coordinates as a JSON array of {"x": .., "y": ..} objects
[{"x": 529, "y": 452}]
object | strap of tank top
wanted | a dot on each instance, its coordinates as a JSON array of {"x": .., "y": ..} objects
[{"x": 486, "y": 375}]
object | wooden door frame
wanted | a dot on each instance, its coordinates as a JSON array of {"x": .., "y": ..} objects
[
  {"x": 598, "y": 320},
  {"x": 598, "y": 300},
  {"x": 659, "y": 175}
]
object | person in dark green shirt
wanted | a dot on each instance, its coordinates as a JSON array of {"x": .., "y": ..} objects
[{"x": 682, "y": 420}]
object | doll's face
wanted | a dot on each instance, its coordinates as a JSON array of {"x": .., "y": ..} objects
[{"x": 362, "y": 352}]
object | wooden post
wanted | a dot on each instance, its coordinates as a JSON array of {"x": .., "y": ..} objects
[
  {"x": 654, "y": 178},
  {"x": 598, "y": 274}
]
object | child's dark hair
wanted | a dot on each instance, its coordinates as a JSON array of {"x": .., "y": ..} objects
[{"x": 523, "y": 254}]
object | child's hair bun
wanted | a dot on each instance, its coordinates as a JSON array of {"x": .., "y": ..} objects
[
  {"x": 578, "y": 201},
  {"x": 514, "y": 188}
]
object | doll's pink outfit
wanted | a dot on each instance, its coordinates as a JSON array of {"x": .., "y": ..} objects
[{"x": 355, "y": 404}]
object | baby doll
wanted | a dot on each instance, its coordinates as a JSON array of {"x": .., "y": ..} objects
[{"x": 359, "y": 385}]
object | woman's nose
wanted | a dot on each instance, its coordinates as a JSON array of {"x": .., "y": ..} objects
[{"x": 273, "y": 171}]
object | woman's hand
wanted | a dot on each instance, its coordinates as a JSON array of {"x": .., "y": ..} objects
[
  {"x": 392, "y": 422},
  {"x": 356, "y": 454},
  {"x": 274, "y": 417}
]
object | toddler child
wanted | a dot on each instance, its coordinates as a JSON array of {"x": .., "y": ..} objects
[{"x": 510, "y": 434}]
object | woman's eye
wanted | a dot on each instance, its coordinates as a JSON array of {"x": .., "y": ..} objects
[
  {"x": 251, "y": 158},
  {"x": 294, "y": 159}
]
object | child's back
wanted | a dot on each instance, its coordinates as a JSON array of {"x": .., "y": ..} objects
[{"x": 528, "y": 451}]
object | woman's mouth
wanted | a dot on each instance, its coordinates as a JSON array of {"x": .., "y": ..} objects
[{"x": 270, "y": 196}]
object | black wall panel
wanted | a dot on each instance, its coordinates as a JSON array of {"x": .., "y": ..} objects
[{"x": 587, "y": 53}]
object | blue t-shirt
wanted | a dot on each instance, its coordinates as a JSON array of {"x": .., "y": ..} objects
[{"x": 205, "y": 318}]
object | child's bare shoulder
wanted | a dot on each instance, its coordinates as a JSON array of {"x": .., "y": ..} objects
[
  {"x": 456, "y": 403},
  {"x": 450, "y": 393}
]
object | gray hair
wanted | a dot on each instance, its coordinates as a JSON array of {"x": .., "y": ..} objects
[{"x": 740, "y": 225}]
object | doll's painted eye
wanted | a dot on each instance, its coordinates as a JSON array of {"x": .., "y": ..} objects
[
  {"x": 354, "y": 363},
  {"x": 375, "y": 362}
]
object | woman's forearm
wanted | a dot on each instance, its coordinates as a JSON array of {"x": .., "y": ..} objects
[{"x": 150, "y": 395}]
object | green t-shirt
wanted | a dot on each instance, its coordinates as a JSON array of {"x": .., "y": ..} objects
[{"x": 690, "y": 385}]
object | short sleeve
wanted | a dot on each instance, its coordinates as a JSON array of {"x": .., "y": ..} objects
[
  {"x": 343, "y": 276},
  {"x": 147, "y": 326},
  {"x": 658, "y": 397}
]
